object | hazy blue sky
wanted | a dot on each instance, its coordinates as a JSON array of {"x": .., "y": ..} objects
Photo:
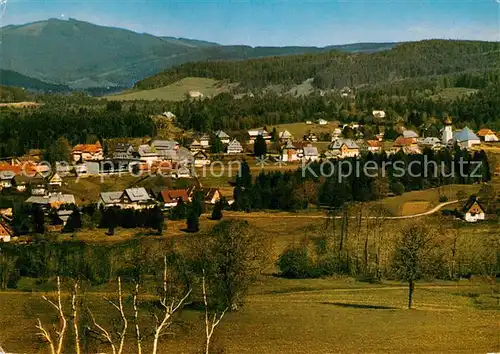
[{"x": 269, "y": 22}]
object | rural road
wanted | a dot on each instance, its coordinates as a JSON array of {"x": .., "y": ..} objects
[{"x": 280, "y": 216}]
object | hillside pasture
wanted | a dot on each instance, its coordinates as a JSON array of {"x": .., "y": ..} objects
[
  {"x": 176, "y": 91},
  {"x": 298, "y": 316},
  {"x": 453, "y": 93}
]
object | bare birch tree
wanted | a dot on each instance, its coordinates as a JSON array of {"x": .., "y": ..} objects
[
  {"x": 210, "y": 323},
  {"x": 74, "y": 308},
  {"x": 169, "y": 308},
  {"x": 55, "y": 343},
  {"x": 136, "y": 319},
  {"x": 105, "y": 334}
]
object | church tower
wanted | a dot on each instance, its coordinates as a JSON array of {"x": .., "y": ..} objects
[{"x": 447, "y": 131}]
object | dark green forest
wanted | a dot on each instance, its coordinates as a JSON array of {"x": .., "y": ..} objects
[{"x": 337, "y": 69}]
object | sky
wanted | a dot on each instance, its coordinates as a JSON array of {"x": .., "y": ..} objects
[{"x": 278, "y": 23}]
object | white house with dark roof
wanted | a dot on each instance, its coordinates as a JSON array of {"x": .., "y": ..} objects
[
  {"x": 223, "y": 137},
  {"x": 311, "y": 153},
  {"x": 342, "y": 148},
  {"x": 285, "y": 136},
  {"x": 110, "y": 199},
  {"x": 136, "y": 198},
  {"x": 253, "y": 134},
  {"x": 234, "y": 147}
]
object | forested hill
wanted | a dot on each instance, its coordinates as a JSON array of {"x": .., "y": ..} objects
[
  {"x": 336, "y": 69},
  {"x": 82, "y": 55},
  {"x": 12, "y": 78}
]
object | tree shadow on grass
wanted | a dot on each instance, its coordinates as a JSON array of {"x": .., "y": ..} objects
[{"x": 360, "y": 306}]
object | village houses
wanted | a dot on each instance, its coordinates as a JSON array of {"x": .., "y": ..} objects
[
  {"x": 87, "y": 152},
  {"x": 343, "y": 148}
]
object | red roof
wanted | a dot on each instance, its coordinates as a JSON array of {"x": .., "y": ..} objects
[
  {"x": 373, "y": 143},
  {"x": 401, "y": 141},
  {"x": 89, "y": 148},
  {"x": 173, "y": 195}
]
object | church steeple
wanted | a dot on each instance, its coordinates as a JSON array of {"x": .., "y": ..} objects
[{"x": 447, "y": 131}]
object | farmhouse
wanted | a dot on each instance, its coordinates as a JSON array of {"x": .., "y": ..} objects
[
  {"x": 487, "y": 135},
  {"x": 223, "y": 137},
  {"x": 110, "y": 199},
  {"x": 195, "y": 146},
  {"x": 234, "y": 147},
  {"x": 195, "y": 94},
  {"x": 55, "y": 180},
  {"x": 6, "y": 179},
  {"x": 21, "y": 182},
  {"x": 372, "y": 146},
  {"x": 136, "y": 198},
  {"x": 253, "y": 134},
  {"x": 201, "y": 159},
  {"x": 87, "y": 152},
  {"x": 473, "y": 210},
  {"x": 465, "y": 138},
  {"x": 311, "y": 153},
  {"x": 54, "y": 200},
  {"x": 285, "y": 136},
  {"x": 289, "y": 152},
  {"x": 210, "y": 195},
  {"x": 342, "y": 148},
  {"x": 170, "y": 197},
  {"x": 322, "y": 122},
  {"x": 205, "y": 141}
]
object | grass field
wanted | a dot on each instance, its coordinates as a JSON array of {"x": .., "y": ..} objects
[
  {"x": 452, "y": 93},
  {"x": 298, "y": 130},
  {"x": 176, "y": 91},
  {"x": 421, "y": 201},
  {"x": 303, "y": 316}
]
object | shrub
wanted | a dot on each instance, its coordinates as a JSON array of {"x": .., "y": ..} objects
[
  {"x": 398, "y": 188},
  {"x": 295, "y": 263},
  {"x": 443, "y": 199}
]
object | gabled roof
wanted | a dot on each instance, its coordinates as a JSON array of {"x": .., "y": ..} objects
[
  {"x": 410, "y": 134},
  {"x": 88, "y": 148},
  {"x": 221, "y": 135},
  {"x": 289, "y": 146},
  {"x": 484, "y": 132},
  {"x": 173, "y": 195},
  {"x": 465, "y": 135},
  {"x": 164, "y": 144},
  {"x": 55, "y": 178},
  {"x": 402, "y": 141},
  {"x": 137, "y": 194},
  {"x": 337, "y": 144},
  {"x": 205, "y": 137},
  {"x": 373, "y": 143},
  {"x": 234, "y": 144},
  {"x": 200, "y": 155},
  {"x": 5, "y": 230},
  {"x": 285, "y": 135},
  {"x": 255, "y": 133},
  {"x": 310, "y": 151},
  {"x": 111, "y": 197},
  {"x": 470, "y": 202},
  {"x": 52, "y": 199}
]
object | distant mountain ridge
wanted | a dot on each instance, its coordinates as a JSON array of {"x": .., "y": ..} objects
[
  {"x": 14, "y": 79},
  {"x": 82, "y": 55}
]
